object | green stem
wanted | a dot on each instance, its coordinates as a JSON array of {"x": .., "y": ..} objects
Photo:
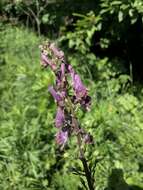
[{"x": 81, "y": 151}]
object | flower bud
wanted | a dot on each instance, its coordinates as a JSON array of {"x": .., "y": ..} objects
[
  {"x": 88, "y": 139},
  {"x": 61, "y": 137},
  {"x": 79, "y": 88},
  {"x": 45, "y": 61},
  {"x": 60, "y": 118},
  {"x": 56, "y": 96},
  {"x": 59, "y": 54}
]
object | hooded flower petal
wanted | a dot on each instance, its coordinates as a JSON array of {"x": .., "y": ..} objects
[
  {"x": 80, "y": 89},
  {"x": 61, "y": 137},
  {"x": 56, "y": 96},
  {"x": 46, "y": 61},
  {"x": 59, "y": 120},
  {"x": 69, "y": 68}
]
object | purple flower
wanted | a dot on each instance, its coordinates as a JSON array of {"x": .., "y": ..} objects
[
  {"x": 80, "y": 89},
  {"x": 61, "y": 137},
  {"x": 60, "y": 76},
  {"x": 63, "y": 70},
  {"x": 63, "y": 95},
  {"x": 59, "y": 54},
  {"x": 56, "y": 96},
  {"x": 88, "y": 139},
  {"x": 59, "y": 120},
  {"x": 69, "y": 68},
  {"x": 46, "y": 61}
]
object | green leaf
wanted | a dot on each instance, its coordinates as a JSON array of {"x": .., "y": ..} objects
[
  {"x": 120, "y": 16},
  {"x": 45, "y": 18}
]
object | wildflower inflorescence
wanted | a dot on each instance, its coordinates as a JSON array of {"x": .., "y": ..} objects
[{"x": 68, "y": 93}]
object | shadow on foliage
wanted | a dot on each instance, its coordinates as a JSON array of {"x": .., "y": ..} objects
[{"x": 116, "y": 182}]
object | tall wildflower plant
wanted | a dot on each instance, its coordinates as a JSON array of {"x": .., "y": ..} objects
[{"x": 69, "y": 94}]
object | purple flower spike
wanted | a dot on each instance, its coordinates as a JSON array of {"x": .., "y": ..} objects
[
  {"x": 66, "y": 99},
  {"x": 59, "y": 121},
  {"x": 80, "y": 89},
  {"x": 56, "y": 96},
  {"x": 61, "y": 137}
]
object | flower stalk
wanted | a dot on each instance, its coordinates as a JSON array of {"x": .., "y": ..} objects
[
  {"x": 87, "y": 171},
  {"x": 66, "y": 121}
]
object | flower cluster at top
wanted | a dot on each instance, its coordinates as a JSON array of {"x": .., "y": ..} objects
[{"x": 68, "y": 92}]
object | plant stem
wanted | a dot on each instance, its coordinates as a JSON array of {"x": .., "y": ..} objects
[
  {"x": 87, "y": 171},
  {"x": 83, "y": 160}
]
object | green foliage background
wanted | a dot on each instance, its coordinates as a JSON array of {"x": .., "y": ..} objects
[{"x": 29, "y": 157}]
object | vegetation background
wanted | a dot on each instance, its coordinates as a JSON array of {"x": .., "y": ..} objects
[{"x": 103, "y": 40}]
